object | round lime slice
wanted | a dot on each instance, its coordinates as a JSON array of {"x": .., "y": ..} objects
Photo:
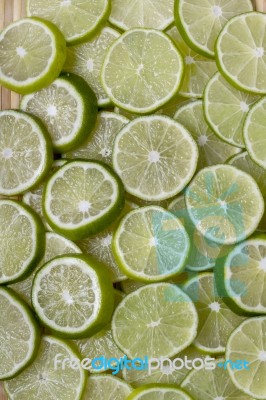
[
  {"x": 104, "y": 387},
  {"x": 157, "y": 391}
]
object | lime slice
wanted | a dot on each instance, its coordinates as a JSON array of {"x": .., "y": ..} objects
[
  {"x": 86, "y": 60},
  {"x": 100, "y": 143},
  {"x": 201, "y": 23},
  {"x": 254, "y": 133},
  {"x": 22, "y": 241},
  {"x": 19, "y": 334},
  {"x": 158, "y": 392},
  {"x": 82, "y": 198},
  {"x": 247, "y": 342},
  {"x": 105, "y": 387},
  {"x": 77, "y": 19},
  {"x": 26, "y": 64},
  {"x": 226, "y": 108},
  {"x": 55, "y": 245},
  {"x": 240, "y": 52},
  {"x": 147, "y": 78},
  {"x": 225, "y": 204},
  {"x": 245, "y": 163},
  {"x": 212, "y": 150},
  {"x": 68, "y": 109},
  {"x": 157, "y": 319},
  {"x": 45, "y": 379},
  {"x": 73, "y": 296},
  {"x": 26, "y": 152},
  {"x": 155, "y": 157},
  {"x": 198, "y": 69}
]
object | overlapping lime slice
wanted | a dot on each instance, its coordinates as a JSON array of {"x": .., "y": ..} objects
[
  {"x": 158, "y": 392},
  {"x": 105, "y": 387}
]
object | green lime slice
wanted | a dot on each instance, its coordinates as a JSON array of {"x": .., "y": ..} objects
[
  {"x": 26, "y": 152},
  {"x": 19, "y": 334},
  {"x": 22, "y": 241},
  {"x": 221, "y": 204},
  {"x": 77, "y": 19},
  {"x": 157, "y": 319},
  {"x": 216, "y": 320},
  {"x": 47, "y": 378},
  {"x": 226, "y": 108},
  {"x": 68, "y": 109},
  {"x": 247, "y": 343},
  {"x": 201, "y": 23},
  {"x": 105, "y": 387},
  {"x": 100, "y": 143},
  {"x": 73, "y": 296},
  {"x": 147, "y": 78},
  {"x": 155, "y": 157},
  {"x": 212, "y": 150},
  {"x": 240, "y": 53},
  {"x": 246, "y": 164},
  {"x": 254, "y": 133},
  {"x": 158, "y": 392},
  {"x": 86, "y": 60},
  {"x": 198, "y": 69},
  {"x": 27, "y": 65},
  {"x": 82, "y": 198}
]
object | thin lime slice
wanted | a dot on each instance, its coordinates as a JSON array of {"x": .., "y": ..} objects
[
  {"x": 77, "y": 19},
  {"x": 254, "y": 133},
  {"x": 86, "y": 60},
  {"x": 201, "y": 23},
  {"x": 73, "y": 296},
  {"x": 240, "y": 52},
  {"x": 68, "y": 109},
  {"x": 224, "y": 203},
  {"x": 156, "y": 319},
  {"x": 28, "y": 64},
  {"x": 105, "y": 387},
  {"x": 147, "y": 78},
  {"x": 19, "y": 334},
  {"x": 247, "y": 342},
  {"x": 46, "y": 379},
  {"x": 26, "y": 152},
  {"x": 82, "y": 198},
  {"x": 22, "y": 241},
  {"x": 198, "y": 69},
  {"x": 226, "y": 108},
  {"x": 158, "y": 392},
  {"x": 100, "y": 143},
  {"x": 212, "y": 150},
  {"x": 155, "y": 157}
]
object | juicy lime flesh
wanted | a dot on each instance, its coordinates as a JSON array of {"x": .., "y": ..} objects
[
  {"x": 101, "y": 387},
  {"x": 158, "y": 392}
]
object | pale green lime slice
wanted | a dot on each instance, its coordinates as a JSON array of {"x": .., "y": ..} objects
[
  {"x": 82, "y": 198},
  {"x": 26, "y": 152},
  {"x": 19, "y": 335},
  {"x": 201, "y": 22},
  {"x": 156, "y": 319},
  {"x": 240, "y": 52},
  {"x": 224, "y": 203},
  {"x": 247, "y": 342},
  {"x": 77, "y": 19},
  {"x": 100, "y": 143},
  {"x": 137, "y": 76},
  {"x": 22, "y": 241},
  {"x": 86, "y": 60},
  {"x": 106, "y": 387},
  {"x": 155, "y": 157},
  {"x": 48, "y": 378},
  {"x": 158, "y": 392},
  {"x": 28, "y": 64},
  {"x": 254, "y": 133},
  {"x": 226, "y": 108}
]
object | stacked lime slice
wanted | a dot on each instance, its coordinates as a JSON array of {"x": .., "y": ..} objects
[
  {"x": 105, "y": 387},
  {"x": 157, "y": 391}
]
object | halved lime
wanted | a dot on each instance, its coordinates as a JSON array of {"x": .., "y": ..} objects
[
  {"x": 201, "y": 22},
  {"x": 33, "y": 52},
  {"x": 105, "y": 387},
  {"x": 22, "y": 241},
  {"x": 240, "y": 51},
  {"x": 77, "y": 19},
  {"x": 155, "y": 157},
  {"x": 26, "y": 152},
  {"x": 50, "y": 376},
  {"x": 158, "y": 392},
  {"x": 19, "y": 334},
  {"x": 142, "y": 70},
  {"x": 224, "y": 203},
  {"x": 82, "y": 198}
]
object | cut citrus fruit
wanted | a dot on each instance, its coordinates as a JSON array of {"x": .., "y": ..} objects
[
  {"x": 158, "y": 392},
  {"x": 105, "y": 387}
]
